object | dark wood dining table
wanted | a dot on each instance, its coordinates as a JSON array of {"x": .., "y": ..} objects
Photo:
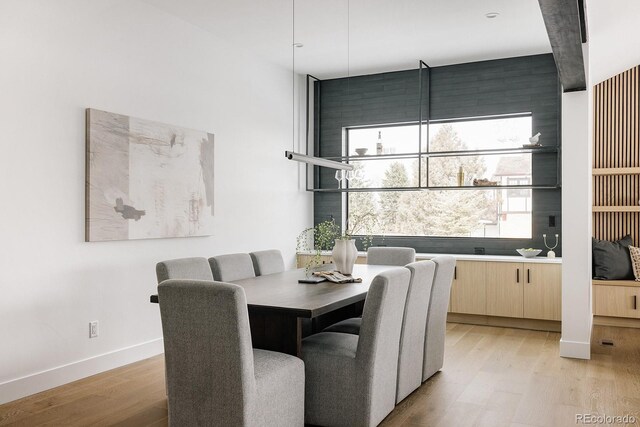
[{"x": 277, "y": 303}]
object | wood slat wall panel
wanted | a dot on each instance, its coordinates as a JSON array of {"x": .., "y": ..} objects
[{"x": 616, "y": 145}]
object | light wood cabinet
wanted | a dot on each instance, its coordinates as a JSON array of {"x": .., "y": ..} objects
[
  {"x": 505, "y": 289},
  {"x": 616, "y": 301},
  {"x": 542, "y": 291},
  {"x": 525, "y": 290},
  {"x": 468, "y": 292},
  {"x": 303, "y": 259}
]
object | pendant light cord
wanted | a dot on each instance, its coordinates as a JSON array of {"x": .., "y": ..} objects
[
  {"x": 293, "y": 75},
  {"x": 348, "y": 42}
]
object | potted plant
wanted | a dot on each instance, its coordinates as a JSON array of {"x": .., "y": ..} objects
[
  {"x": 317, "y": 239},
  {"x": 328, "y": 236}
]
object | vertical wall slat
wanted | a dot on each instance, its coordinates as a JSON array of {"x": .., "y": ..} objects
[{"x": 616, "y": 145}]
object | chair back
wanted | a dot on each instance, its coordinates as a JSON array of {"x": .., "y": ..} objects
[
  {"x": 414, "y": 324},
  {"x": 208, "y": 354},
  {"x": 437, "y": 316},
  {"x": 227, "y": 268},
  {"x": 267, "y": 262},
  {"x": 378, "y": 343},
  {"x": 391, "y": 256},
  {"x": 184, "y": 268}
]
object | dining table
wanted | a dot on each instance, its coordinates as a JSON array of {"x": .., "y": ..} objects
[{"x": 277, "y": 304}]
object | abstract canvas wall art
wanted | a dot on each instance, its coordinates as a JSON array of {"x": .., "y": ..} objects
[{"x": 146, "y": 179}]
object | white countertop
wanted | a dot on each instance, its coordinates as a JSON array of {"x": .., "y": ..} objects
[
  {"x": 495, "y": 258},
  {"x": 468, "y": 257}
]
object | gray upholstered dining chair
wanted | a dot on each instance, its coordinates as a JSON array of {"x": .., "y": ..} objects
[
  {"x": 267, "y": 262},
  {"x": 348, "y": 377},
  {"x": 437, "y": 316},
  {"x": 227, "y": 268},
  {"x": 184, "y": 268},
  {"x": 391, "y": 256},
  {"x": 214, "y": 377},
  {"x": 414, "y": 322}
]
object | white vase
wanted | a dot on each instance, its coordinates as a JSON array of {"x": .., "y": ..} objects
[{"x": 344, "y": 255}]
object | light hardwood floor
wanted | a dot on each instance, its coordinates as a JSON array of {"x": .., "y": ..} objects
[{"x": 492, "y": 377}]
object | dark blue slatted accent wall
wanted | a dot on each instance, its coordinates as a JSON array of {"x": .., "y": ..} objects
[{"x": 513, "y": 85}]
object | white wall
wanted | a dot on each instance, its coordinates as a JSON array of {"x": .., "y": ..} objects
[
  {"x": 614, "y": 47},
  {"x": 614, "y": 39},
  {"x": 576, "y": 226},
  {"x": 123, "y": 56}
]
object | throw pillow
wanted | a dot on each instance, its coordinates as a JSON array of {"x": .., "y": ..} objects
[
  {"x": 611, "y": 260},
  {"x": 635, "y": 261}
]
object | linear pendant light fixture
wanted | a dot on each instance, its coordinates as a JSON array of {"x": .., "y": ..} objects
[
  {"x": 318, "y": 161},
  {"x": 292, "y": 155}
]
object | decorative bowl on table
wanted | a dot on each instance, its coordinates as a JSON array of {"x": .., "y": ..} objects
[
  {"x": 361, "y": 151},
  {"x": 529, "y": 252}
]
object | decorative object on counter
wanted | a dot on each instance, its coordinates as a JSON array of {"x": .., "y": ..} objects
[
  {"x": 379, "y": 147},
  {"x": 611, "y": 260},
  {"x": 146, "y": 179},
  {"x": 483, "y": 182},
  {"x": 551, "y": 253},
  {"x": 529, "y": 252},
  {"x": 361, "y": 151},
  {"x": 460, "y": 177}
]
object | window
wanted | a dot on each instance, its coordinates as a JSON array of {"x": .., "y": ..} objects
[{"x": 479, "y": 149}]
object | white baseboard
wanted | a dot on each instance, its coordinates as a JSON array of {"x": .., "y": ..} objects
[
  {"x": 575, "y": 349},
  {"x": 54, "y": 377}
]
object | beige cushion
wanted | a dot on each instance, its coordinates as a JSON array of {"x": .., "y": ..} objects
[{"x": 635, "y": 261}]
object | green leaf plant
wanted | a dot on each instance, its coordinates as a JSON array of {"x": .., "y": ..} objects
[{"x": 322, "y": 237}]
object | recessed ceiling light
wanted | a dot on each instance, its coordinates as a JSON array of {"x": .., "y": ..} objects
[
  {"x": 491, "y": 15},
  {"x": 298, "y": 45}
]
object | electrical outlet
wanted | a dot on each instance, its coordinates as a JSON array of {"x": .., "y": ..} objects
[{"x": 93, "y": 329}]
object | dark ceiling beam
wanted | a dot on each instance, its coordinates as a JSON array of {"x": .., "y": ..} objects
[
  {"x": 582, "y": 10},
  {"x": 563, "y": 21}
]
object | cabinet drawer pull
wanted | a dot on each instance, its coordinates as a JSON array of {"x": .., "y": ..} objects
[
  {"x": 517, "y": 275},
  {"x": 528, "y": 275},
  {"x": 455, "y": 272},
  {"x": 635, "y": 302}
]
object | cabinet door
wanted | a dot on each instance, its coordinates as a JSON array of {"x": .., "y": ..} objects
[
  {"x": 542, "y": 291},
  {"x": 616, "y": 301},
  {"x": 468, "y": 291},
  {"x": 304, "y": 259},
  {"x": 505, "y": 289}
]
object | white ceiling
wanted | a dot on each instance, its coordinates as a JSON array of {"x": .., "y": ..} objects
[{"x": 385, "y": 35}]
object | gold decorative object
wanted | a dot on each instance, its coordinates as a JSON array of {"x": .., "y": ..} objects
[{"x": 460, "y": 177}]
